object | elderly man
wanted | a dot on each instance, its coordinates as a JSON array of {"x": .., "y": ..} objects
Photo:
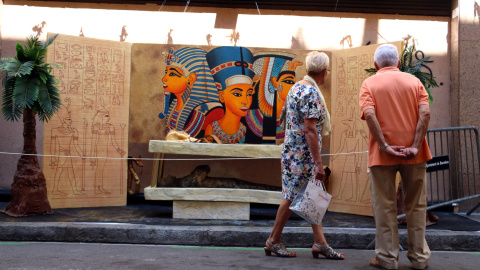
[{"x": 395, "y": 106}]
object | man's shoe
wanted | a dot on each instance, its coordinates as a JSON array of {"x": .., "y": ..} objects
[{"x": 374, "y": 263}]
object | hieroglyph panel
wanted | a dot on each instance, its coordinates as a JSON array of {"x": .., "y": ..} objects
[
  {"x": 92, "y": 123},
  {"x": 349, "y": 183}
]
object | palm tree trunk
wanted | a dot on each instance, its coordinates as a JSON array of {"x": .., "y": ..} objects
[{"x": 29, "y": 188}]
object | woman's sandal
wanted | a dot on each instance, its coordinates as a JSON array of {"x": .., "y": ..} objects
[
  {"x": 278, "y": 249},
  {"x": 328, "y": 252}
]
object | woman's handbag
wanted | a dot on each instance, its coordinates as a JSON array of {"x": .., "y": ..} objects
[{"x": 311, "y": 202}]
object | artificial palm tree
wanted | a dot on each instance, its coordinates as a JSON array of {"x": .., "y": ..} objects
[
  {"x": 412, "y": 66},
  {"x": 29, "y": 90}
]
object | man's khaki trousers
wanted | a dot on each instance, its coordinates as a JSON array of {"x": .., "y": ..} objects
[{"x": 384, "y": 201}]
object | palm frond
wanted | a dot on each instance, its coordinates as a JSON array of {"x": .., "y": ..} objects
[
  {"x": 414, "y": 67},
  {"x": 44, "y": 98},
  {"x": 16, "y": 68},
  {"x": 371, "y": 71},
  {"x": 29, "y": 81},
  {"x": 4, "y": 61},
  {"x": 26, "y": 90},
  {"x": 53, "y": 92},
  {"x": 10, "y": 110},
  {"x": 33, "y": 55},
  {"x": 49, "y": 41},
  {"x": 49, "y": 66},
  {"x": 33, "y": 42},
  {"x": 430, "y": 97},
  {"x": 49, "y": 97},
  {"x": 42, "y": 114},
  {"x": 20, "y": 52}
]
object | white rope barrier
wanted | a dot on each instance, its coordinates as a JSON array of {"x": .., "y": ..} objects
[{"x": 169, "y": 159}]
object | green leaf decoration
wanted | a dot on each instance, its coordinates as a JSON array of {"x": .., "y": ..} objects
[
  {"x": 371, "y": 71},
  {"x": 49, "y": 41},
  {"x": 17, "y": 68},
  {"x": 48, "y": 98},
  {"x": 4, "y": 62},
  {"x": 43, "y": 77},
  {"x": 20, "y": 52},
  {"x": 10, "y": 110},
  {"x": 26, "y": 90},
  {"x": 25, "y": 68},
  {"x": 414, "y": 67},
  {"x": 29, "y": 82}
]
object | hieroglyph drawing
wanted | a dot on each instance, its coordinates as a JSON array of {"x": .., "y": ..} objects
[
  {"x": 88, "y": 137},
  {"x": 350, "y": 185}
]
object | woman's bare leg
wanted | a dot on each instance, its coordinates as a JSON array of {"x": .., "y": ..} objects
[
  {"x": 319, "y": 238},
  {"x": 283, "y": 214}
]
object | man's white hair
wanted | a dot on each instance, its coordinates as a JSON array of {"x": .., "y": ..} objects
[
  {"x": 317, "y": 62},
  {"x": 386, "y": 56}
]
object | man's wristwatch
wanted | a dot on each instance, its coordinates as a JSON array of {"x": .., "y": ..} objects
[{"x": 382, "y": 147}]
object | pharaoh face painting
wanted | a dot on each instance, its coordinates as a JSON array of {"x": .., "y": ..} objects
[
  {"x": 237, "y": 98},
  {"x": 189, "y": 90},
  {"x": 232, "y": 71},
  {"x": 174, "y": 81},
  {"x": 276, "y": 73},
  {"x": 283, "y": 83}
]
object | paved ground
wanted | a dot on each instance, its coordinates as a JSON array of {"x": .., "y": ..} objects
[
  {"x": 27, "y": 255},
  {"x": 147, "y": 222}
]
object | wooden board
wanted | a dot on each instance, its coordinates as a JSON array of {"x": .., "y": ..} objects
[
  {"x": 92, "y": 122},
  {"x": 349, "y": 184}
]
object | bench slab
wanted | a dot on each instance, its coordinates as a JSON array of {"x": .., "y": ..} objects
[
  {"x": 213, "y": 149},
  {"x": 214, "y": 194},
  {"x": 211, "y": 210},
  {"x": 212, "y": 203}
]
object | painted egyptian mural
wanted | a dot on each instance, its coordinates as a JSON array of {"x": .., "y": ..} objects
[
  {"x": 235, "y": 93},
  {"x": 92, "y": 122},
  {"x": 113, "y": 89}
]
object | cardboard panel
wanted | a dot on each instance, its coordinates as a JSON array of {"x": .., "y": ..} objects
[
  {"x": 349, "y": 184},
  {"x": 92, "y": 122}
]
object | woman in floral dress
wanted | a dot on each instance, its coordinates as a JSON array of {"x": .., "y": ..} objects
[{"x": 307, "y": 120}]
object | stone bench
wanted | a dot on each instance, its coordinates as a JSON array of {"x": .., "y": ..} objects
[{"x": 210, "y": 203}]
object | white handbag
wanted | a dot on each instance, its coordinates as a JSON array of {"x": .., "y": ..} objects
[{"x": 311, "y": 202}]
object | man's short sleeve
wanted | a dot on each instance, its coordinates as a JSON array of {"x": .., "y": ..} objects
[
  {"x": 423, "y": 96},
  {"x": 365, "y": 100}
]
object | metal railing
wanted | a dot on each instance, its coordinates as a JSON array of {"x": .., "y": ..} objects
[{"x": 453, "y": 174}]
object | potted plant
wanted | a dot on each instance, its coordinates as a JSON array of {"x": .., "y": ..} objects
[
  {"x": 29, "y": 90},
  {"x": 412, "y": 66}
]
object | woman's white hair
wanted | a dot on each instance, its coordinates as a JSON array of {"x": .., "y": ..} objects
[
  {"x": 317, "y": 62},
  {"x": 386, "y": 56}
]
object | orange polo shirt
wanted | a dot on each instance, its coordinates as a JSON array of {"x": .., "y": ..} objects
[{"x": 395, "y": 97}]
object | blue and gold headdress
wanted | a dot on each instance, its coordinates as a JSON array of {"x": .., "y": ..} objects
[{"x": 231, "y": 65}]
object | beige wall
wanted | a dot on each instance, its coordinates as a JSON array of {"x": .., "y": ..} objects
[
  {"x": 271, "y": 29},
  {"x": 465, "y": 67},
  {"x": 465, "y": 62}
]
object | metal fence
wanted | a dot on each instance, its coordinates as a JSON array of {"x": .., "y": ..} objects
[{"x": 453, "y": 174}]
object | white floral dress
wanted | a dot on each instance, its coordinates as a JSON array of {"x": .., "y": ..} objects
[{"x": 303, "y": 101}]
